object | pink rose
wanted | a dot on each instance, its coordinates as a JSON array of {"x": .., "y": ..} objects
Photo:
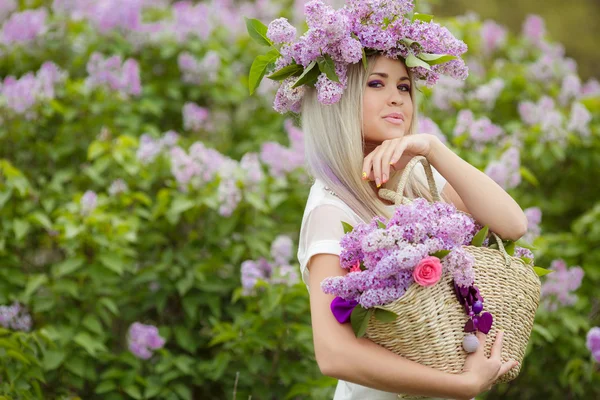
[
  {"x": 428, "y": 272},
  {"x": 355, "y": 267}
]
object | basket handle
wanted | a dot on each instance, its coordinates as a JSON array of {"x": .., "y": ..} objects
[{"x": 398, "y": 196}]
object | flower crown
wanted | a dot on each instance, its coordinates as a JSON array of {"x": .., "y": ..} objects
[{"x": 338, "y": 38}]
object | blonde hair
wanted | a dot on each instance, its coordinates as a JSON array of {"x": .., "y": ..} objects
[{"x": 334, "y": 146}]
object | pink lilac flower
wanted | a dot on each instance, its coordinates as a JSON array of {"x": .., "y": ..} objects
[
  {"x": 493, "y": 36},
  {"x": 448, "y": 92},
  {"x": 559, "y": 286},
  {"x": 15, "y": 317},
  {"x": 460, "y": 263},
  {"x": 580, "y": 120},
  {"x": 118, "y": 186},
  {"x": 506, "y": 171},
  {"x": 111, "y": 72},
  {"x": 150, "y": 148},
  {"x": 286, "y": 275},
  {"x": 195, "y": 118},
  {"x": 88, "y": 202},
  {"x": 229, "y": 195},
  {"x": 23, "y": 27},
  {"x": 198, "y": 71},
  {"x": 534, "y": 28},
  {"x": 142, "y": 339},
  {"x": 427, "y": 125},
  {"x": 280, "y": 31},
  {"x": 592, "y": 342}
]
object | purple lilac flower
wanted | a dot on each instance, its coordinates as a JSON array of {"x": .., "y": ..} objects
[
  {"x": 199, "y": 71},
  {"x": 559, "y": 286},
  {"x": 534, "y": 28},
  {"x": 524, "y": 252},
  {"x": 281, "y": 249},
  {"x": 280, "y": 31},
  {"x": 191, "y": 20},
  {"x": 15, "y": 317},
  {"x": 286, "y": 275},
  {"x": 22, "y": 94},
  {"x": 493, "y": 36},
  {"x": 142, "y": 339},
  {"x": 6, "y": 8},
  {"x": 118, "y": 186},
  {"x": 460, "y": 263},
  {"x": 150, "y": 148},
  {"x": 447, "y": 93},
  {"x": 534, "y": 218},
  {"x": 229, "y": 195},
  {"x": 195, "y": 117},
  {"x": 580, "y": 120},
  {"x": 253, "y": 173},
  {"x": 488, "y": 93},
  {"x": 593, "y": 342},
  {"x": 253, "y": 271},
  {"x": 88, "y": 202},
  {"x": 23, "y": 27},
  {"x": 283, "y": 160},
  {"x": 570, "y": 89},
  {"x": 591, "y": 88},
  {"x": 506, "y": 171},
  {"x": 114, "y": 74},
  {"x": 427, "y": 125}
]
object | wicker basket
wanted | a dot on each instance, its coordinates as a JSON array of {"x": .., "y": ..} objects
[{"x": 429, "y": 329}]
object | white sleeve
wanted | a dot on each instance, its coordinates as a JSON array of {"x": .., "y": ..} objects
[
  {"x": 440, "y": 181},
  {"x": 321, "y": 233}
]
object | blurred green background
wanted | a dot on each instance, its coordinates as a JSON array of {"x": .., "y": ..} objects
[{"x": 577, "y": 26}]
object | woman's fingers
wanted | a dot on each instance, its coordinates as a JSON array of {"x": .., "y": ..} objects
[{"x": 497, "y": 346}]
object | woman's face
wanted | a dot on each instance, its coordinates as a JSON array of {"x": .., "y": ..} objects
[{"x": 387, "y": 104}]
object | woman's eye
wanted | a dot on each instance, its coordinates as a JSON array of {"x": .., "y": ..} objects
[
  {"x": 404, "y": 88},
  {"x": 374, "y": 84}
]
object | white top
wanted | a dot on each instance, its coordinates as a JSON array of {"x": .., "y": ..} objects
[{"x": 320, "y": 232}]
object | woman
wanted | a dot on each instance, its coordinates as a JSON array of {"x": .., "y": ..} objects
[
  {"x": 358, "y": 118},
  {"x": 371, "y": 127}
]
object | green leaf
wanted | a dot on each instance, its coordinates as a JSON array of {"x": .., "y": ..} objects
[
  {"x": 380, "y": 224},
  {"x": 360, "y": 320},
  {"x": 545, "y": 333},
  {"x": 93, "y": 324},
  {"x": 110, "y": 304},
  {"x": 258, "y": 31},
  {"x": 542, "y": 271},
  {"x": 412, "y": 61},
  {"x": 327, "y": 65},
  {"x": 510, "y": 247},
  {"x": 259, "y": 68},
  {"x": 41, "y": 219},
  {"x": 68, "y": 266},
  {"x": 422, "y": 17},
  {"x": 18, "y": 356},
  {"x": 53, "y": 359},
  {"x": 385, "y": 315},
  {"x": 441, "y": 254},
  {"x": 522, "y": 243},
  {"x": 529, "y": 176},
  {"x": 480, "y": 236},
  {"x": 183, "y": 391},
  {"x": 309, "y": 76},
  {"x": 21, "y": 227},
  {"x": 34, "y": 282},
  {"x": 408, "y": 42},
  {"x": 90, "y": 344},
  {"x": 286, "y": 72},
  {"x": 433, "y": 59},
  {"x": 133, "y": 391},
  {"x": 106, "y": 386},
  {"x": 113, "y": 262},
  {"x": 347, "y": 227}
]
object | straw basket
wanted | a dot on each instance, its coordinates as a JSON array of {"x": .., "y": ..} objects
[{"x": 429, "y": 329}]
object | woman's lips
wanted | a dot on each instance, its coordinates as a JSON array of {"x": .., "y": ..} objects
[{"x": 395, "y": 121}]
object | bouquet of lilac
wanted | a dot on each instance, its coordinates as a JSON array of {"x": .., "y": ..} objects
[{"x": 420, "y": 243}]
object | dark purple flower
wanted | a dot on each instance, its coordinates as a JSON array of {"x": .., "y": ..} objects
[{"x": 342, "y": 309}]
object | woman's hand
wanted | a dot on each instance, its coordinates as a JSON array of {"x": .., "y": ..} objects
[
  {"x": 393, "y": 155},
  {"x": 481, "y": 371}
]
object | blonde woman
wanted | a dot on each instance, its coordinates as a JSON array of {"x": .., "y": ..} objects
[
  {"x": 352, "y": 76},
  {"x": 371, "y": 127}
]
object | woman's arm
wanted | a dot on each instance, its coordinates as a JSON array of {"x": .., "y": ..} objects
[
  {"x": 484, "y": 199},
  {"x": 341, "y": 355}
]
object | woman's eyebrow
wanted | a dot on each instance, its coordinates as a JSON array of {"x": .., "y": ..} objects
[{"x": 384, "y": 75}]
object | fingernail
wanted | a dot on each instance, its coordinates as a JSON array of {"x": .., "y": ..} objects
[
  {"x": 385, "y": 178},
  {"x": 377, "y": 181},
  {"x": 364, "y": 176},
  {"x": 393, "y": 162}
]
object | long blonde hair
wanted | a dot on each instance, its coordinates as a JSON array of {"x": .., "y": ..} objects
[{"x": 334, "y": 146}]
